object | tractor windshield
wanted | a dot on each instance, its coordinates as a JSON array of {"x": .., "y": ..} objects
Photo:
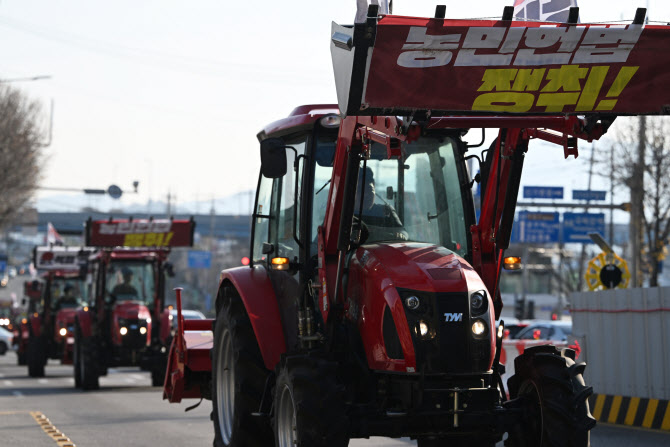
[
  {"x": 68, "y": 293},
  {"x": 131, "y": 281},
  {"x": 417, "y": 198}
]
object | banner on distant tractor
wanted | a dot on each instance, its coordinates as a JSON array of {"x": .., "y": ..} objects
[
  {"x": 61, "y": 258},
  {"x": 157, "y": 233},
  {"x": 486, "y": 66}
]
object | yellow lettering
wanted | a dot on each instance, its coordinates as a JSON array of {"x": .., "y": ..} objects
[
  {"x": 565, "y": 78},
  {"x": 592, "y": 89},
  {"x": 497, "y": 79},
  {"x": 504, "y": 102},
  {"x": 528, "y": 80}
]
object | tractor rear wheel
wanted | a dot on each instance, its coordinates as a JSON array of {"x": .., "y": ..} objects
[
  {"x": 555, "y": 399},
  {"x": 88, "y": 363},
  {"x": 36, "y": 356},
  {"x": 238, "y": 379},
  {"x": 158, "y": 376},
  {"x": 309, "y": 410}
]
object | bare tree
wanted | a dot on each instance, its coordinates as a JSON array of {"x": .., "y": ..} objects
[
  {"x": 21, "y": 139},
  {"x": 656, "y": 216}
]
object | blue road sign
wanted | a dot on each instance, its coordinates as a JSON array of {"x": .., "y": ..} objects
[
  {"x": 537, "y": 228},
  {"x": 199, "y": 259},
  {"x": 542, "y": 192},
  {"x": 585, "y": 194},
  {"x": 577, "y": 226}
]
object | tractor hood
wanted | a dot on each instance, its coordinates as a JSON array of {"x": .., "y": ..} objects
[
  {"x": 131, "y": 310},
  {"x": 65, "y": 316},
  {"x": 421, "y": 266}
]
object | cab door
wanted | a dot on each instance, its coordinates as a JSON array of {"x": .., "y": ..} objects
[{"x": 276, "y": 232}]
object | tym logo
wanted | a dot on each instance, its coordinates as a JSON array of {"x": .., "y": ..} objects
[{"x": 453, "y": 317}]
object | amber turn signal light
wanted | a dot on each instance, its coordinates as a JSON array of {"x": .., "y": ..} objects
[
  {"x": 280, "y": 263},
  {"x": 512, "y": 263}
]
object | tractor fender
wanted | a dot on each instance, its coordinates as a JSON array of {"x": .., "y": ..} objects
[
  {"x": 85, "y": 323},
  {"x": 255, "y": 289},
  {"x": 35, "y": 326}
]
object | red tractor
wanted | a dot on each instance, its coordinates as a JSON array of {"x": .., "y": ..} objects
[
  {"x": 49, "y": 325},
  {"x": 127, "y": 323},
  {"x": 32, "y": 294},
  {"x": 370, "y": 303}
]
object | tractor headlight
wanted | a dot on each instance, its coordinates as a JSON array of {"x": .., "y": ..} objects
[
  {"x": 412, "y": 302},
  {"x": 63, "y": 332},
  {"x": 479, "y": 328},
  {"x": 478, "y": 303},
  {"x": 424, "y": 330},
  {"x": 123, "y": 330},
  {"x": 143, "y": 330}
]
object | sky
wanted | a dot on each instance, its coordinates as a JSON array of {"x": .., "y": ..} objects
[{"x": 171, "y": 93}]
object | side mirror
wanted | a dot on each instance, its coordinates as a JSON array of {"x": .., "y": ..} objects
[
  {"x": 169, "y": 269},
  {"x": 24, "y": 302},
  {"x": 273, "y": 158}
]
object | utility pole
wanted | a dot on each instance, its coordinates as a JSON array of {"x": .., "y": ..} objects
[
  {"x": 637, "y": 205},
  {"x": 582, "y": 256}
]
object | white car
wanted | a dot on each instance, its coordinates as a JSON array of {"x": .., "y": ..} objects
[{"x": 5, "y": 340}]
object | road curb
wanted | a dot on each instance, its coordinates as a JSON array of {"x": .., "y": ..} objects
[{"x": 631, "y": 411}]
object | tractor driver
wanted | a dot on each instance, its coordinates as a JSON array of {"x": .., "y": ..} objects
[
  {"x": 68, "y": 299},
  {"x": 381, "y": 219},
  {"x": 125, "y": 288}
]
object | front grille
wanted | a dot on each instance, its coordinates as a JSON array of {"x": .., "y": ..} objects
[
  {"x": 453, "y": 350},
  {"x": 133, "y": 339},
  {"x": 391, "y": 339}
]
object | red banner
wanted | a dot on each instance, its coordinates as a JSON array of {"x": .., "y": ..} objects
[
  {"x": 140, "y": 233},
  {"x": 462, "y": 66}
]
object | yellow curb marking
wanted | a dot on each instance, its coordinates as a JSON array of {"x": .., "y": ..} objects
[
  {"x": 632, "y": 410},
  {"x": 50, "y": 430},
  {"x": 598, "y": 409},
  {"x": 651, "y": 411},
  {"x": 614, "y": 411}
]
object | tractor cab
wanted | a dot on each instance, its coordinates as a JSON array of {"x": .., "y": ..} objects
[
  {"x": 127, "y": 322},
  {"x": 52, "y": 304}
]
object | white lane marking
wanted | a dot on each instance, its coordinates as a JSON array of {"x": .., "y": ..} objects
[
  {"x": 113, "y": 370},
  {"x": 70, "y": 380},
  {"x": 43, "y": 381},
  {"x": 8, "y": 382},
  {"x": 18, "y": 394},
  {"x": 130, "y": 380}
]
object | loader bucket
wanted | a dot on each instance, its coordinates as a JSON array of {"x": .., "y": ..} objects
[
  {"x": 421, "y": 67},
  {"x": 189, "y": 365}
]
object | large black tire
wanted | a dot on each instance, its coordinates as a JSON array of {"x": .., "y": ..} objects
[
  {"x": 309, "y": 407},
  {"x": 238, "y": 379},
  {"x": 36, "y": 356},
  {"x": 76, "y": 356},
  {"x": 21, "y": 358},
  {"x": 158, "y": 377},
  {"x": 556, "y": 406},
  {"x": 89, "y": 368},
  {"x": 3, "y": 348}
]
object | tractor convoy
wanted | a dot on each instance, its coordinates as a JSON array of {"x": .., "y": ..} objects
[{"x": 370, "y": 302}]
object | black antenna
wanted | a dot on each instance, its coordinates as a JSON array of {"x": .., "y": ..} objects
[
  {"x": 440, "y": 11},
  {"x": 508, "y": 13},
  {"x": 573, "y": 15},
  {"x": 640, "y": 16}
]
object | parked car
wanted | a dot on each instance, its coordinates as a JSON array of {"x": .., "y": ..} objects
[
  {"x": 5, "y": 340},
  {"x": 187, "y": 314},
  {"x": 546, "y": 330}
]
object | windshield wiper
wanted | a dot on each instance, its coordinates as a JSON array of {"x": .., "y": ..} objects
[{"x": 321, "y": 189}]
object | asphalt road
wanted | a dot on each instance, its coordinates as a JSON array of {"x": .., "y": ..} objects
[{"x": 127, "y": 410}]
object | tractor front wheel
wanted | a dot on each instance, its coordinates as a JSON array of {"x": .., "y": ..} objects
[
  {"x": 238, "y": 379},
  {"x": 36, "y": 356},
  {"x": 309, "y": 410},
  {"x": 87, "y": 352},
  {"x": 554, "y": 399}
]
